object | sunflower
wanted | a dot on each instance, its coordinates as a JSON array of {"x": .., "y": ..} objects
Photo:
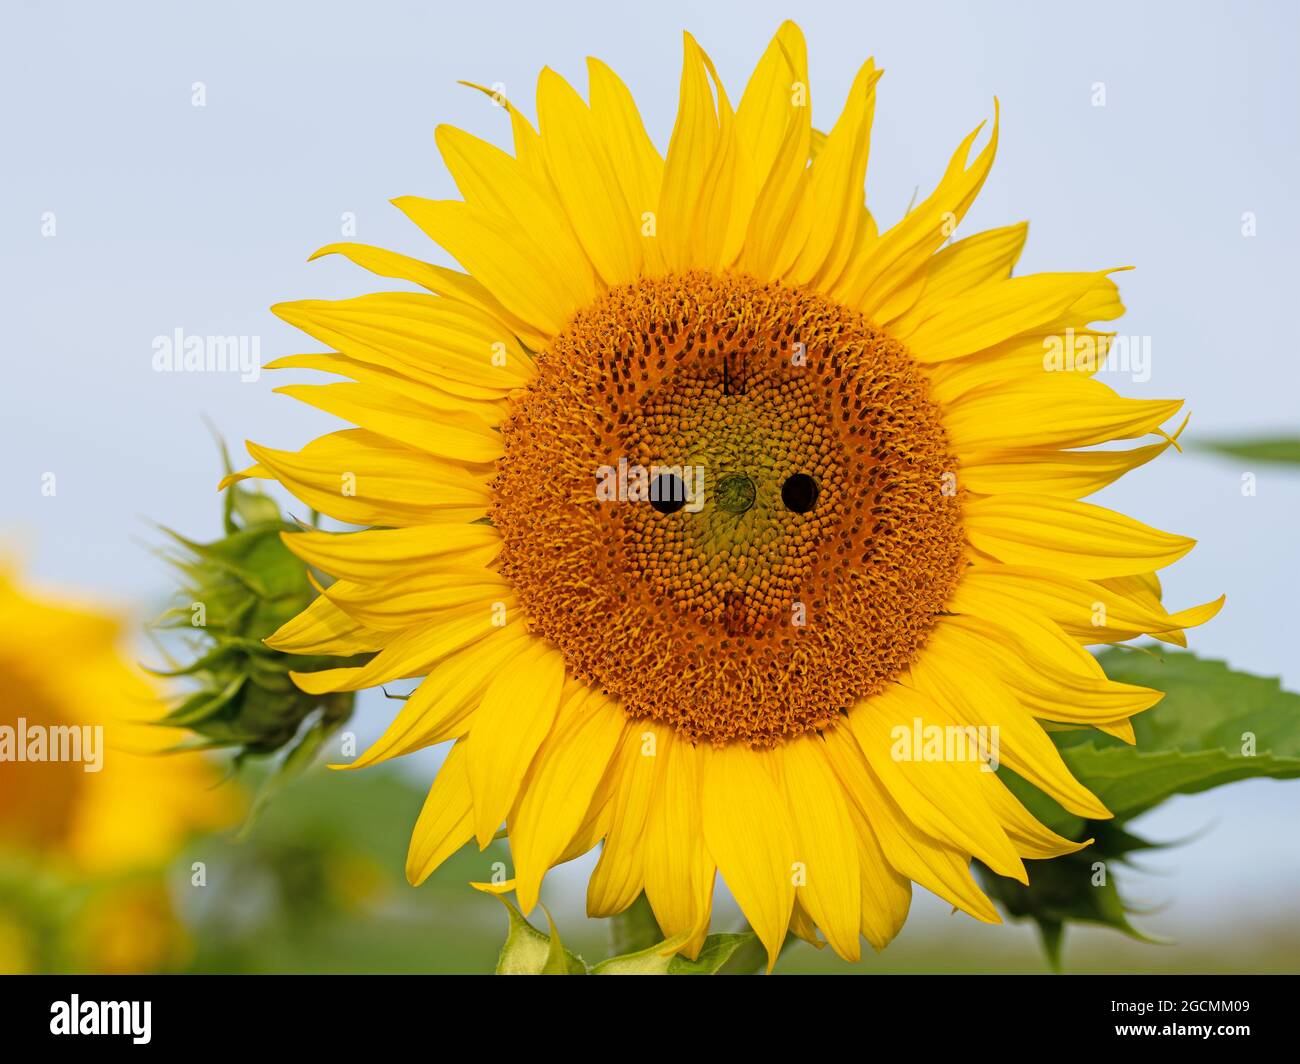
[{"x": 695, "y": 494}]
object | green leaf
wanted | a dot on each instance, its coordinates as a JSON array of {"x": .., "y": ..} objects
[
  {"x": 1214, "y": 726},
  {"x": 719, "y": 950},
  {"x": 660, "y": 959},
  {"x": 1075, "y": 888},
  {"x": 528, "y": 951},
  {"x": 653, "y": 960},
  {"x": 1284, "y": 449}
]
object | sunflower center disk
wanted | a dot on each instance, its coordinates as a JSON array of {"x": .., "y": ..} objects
[{"x": 724, "y": 502}]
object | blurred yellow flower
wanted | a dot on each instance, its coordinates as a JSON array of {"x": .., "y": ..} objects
[
  {"x": 131, "y": 928},
  {"x": 81, "y": 780},
  {"x": 16, "y": 950}
]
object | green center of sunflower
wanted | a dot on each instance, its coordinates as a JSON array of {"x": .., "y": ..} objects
[
  {"x": 723, "y": 501},
  {"x": 736, "y": 494}
]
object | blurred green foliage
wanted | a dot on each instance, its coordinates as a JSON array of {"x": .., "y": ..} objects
[
  {"x": 1282, "y": 449},
  {"x": 317, "y": 885}
]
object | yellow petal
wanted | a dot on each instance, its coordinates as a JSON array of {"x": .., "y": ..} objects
[
  {"x": 564, "y": 776},
  {"x": 1066, "y": 345},
  {"x": 1052, "y": 675},
  {"x": 416, "y": 599},
  {"x": 777, "y": 91},
  {"x": 619, "y": 877},
  {"x": 727, "y": 191},
  {"x": 366, "y": 479},
  {"x": 995, "y": 313},
  {"x": 637, "y": 164},
  {"x": 441, "y": 281},
  {"x": 595, "y": 822},
  {"x": 679, "y": 871},
  {"x": 442, "y": 707},
  {"x": 528, "y": 147},
  {"x": 440, "y": 394},
  {"x": 886, "y": 895},
  {"x": 708, "y": 191},
  {"x": 377, "y": 555},
  {"x": 825, "y": 844},
  {"x": 748, "y": 832},
  {"x": 1054, "y": 410},
  {"x": 941, "y": 798},
  {"x": 1087, "y": 610},
  {"x": 516, "y": 713},
  {"x": 1023, "y": 361},
  {"x": 1143, "y": 589},
  {"x": 691, "y": 147},
  {"x": 505, "y": 259},
  {"x": 501, "y": 186},
  {"x": 886, "y": 276},
  {"x": 1031, "y": 838},
  {"x": 975, "y": 696},
  {"x": 802, "y": 926},
  {"x": 444, "y": 825},
  {"x": 456, "y": 435},
  {"x": 444, "y": 342},
  {"x": 1046, "y": 471},
  {"x": 774, "y": 122},
  {"x": 1074, "y": 538},
  {"x": 911, "y": 853},
  {"x": 964, "y": 267},
  {"x": 836, "y": 187},
  {"x": 586, "y": 182},
  {"x": 411, "y": 652},
  {"x": 323, "y": 628}
]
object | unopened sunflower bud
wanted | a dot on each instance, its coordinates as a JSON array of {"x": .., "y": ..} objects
[{"x": 237, "y": 591}]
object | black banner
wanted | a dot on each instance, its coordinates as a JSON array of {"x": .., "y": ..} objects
[{"x": 432, "y": 1014}]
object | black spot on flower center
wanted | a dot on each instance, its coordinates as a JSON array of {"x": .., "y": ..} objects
[{"x": 799, "y": 493}]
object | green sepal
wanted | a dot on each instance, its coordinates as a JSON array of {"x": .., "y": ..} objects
[
  {"x": 528, "y": 951},
  {"x": 559, "y": 961},
  {"x": 337, "y": 710}
]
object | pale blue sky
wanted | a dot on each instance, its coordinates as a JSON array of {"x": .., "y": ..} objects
[{"x": 173, "y": 216}]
